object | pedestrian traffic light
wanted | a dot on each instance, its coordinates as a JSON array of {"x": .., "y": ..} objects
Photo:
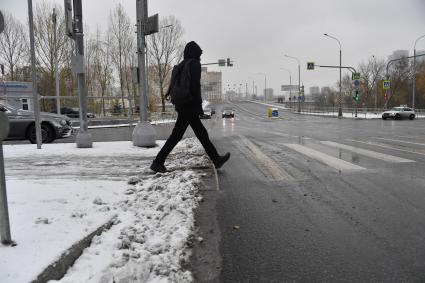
[
  {"x": 356, "y": 96},
  {"x": 229, "y": 63}
]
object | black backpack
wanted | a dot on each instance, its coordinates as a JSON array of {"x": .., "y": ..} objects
[{"x": 179, "y": 89}]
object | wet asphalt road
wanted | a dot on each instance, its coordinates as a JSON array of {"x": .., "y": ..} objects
[{"x": 314, "y": 199}]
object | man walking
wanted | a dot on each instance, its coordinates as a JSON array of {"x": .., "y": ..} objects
[{"x": 188, "y": 113}]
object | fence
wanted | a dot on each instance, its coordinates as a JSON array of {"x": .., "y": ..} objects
[{"x": 116, "y": 109}]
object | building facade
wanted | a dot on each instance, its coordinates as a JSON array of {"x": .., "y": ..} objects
[
  {"x": 211, "y": 85},
  {"x": 17, "y": 94}
]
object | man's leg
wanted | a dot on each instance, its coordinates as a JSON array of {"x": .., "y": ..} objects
[
  {"x": 176, "y": 135},
  {"x": 202, "y": 135}
]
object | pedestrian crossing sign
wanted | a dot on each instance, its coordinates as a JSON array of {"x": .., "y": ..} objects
[{"x": 386, "y": 84}]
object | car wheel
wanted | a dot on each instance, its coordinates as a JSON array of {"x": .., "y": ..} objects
[
  {"x": 412, "y": 116},
  {"x": 47, "y": 134},
  {"x": 397, "y": 117}
]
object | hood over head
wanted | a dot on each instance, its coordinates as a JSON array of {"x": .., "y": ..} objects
[{"x": 192, "y": 51}]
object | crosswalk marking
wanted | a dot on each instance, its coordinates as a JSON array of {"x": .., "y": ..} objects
[
  {"x": 415, "y": 143},
  {"x": 331, "y": 161},
  {"x": 369, "y": 153},
  {"x": 274, "y": 170},
  {"x": 387, "y": 146}
]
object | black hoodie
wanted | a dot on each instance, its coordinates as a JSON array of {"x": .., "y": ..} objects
[{"x": 192, "y": 53}]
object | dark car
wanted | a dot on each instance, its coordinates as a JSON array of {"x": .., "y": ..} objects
[
  {"x": 22, "y": 125},
  {"x": 73, "y": 112},
  {"x": 207, "y": 114},
  {"x": 228, "y": 113}
]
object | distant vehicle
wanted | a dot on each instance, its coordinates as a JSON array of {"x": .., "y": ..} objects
[
  {"x": 73, "y": 112},
  {"x": 228, "y": 113},
  {"x": 212, "y": 110},
  {"x": 22, "y": 125},
  {"x": 207, "y": 114},
  {"x": 398, "y": 113}
]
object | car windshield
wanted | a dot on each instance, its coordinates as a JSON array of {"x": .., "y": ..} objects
[
  {"x": 7, "y": 108},
  {"x": 397, "y": 109}
]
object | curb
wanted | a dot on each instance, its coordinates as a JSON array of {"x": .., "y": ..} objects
[{"x": 58, "y": 269}]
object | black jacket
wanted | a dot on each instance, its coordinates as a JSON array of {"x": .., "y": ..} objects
[{"x": 193, "y": 51}]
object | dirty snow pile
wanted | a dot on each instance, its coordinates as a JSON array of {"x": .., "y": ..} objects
[
  {"x": 60, "y": 194},
  {"x": 150, "y": 240}
]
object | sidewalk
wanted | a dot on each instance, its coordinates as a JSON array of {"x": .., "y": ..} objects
[{"x": 60, "y": 194}]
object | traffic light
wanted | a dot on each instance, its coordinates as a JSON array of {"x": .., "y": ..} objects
[
  {"x": 385, "y": 96},
  {"x": 356, "y": 96},
  {"x": 229, "y": 63}
]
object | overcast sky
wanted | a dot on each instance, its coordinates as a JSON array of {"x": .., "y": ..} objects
[{"x": 257, "y": 34}]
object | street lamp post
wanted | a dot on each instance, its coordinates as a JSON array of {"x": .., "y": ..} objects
[
  {"x": 299, "y": 81},
  {"x": 54, "y": 17},
  {"x": 340, "y": 75},
  {"x": 144, "y": 135},
  {"x": 265, "y": 85},
  {"x": 290, "y": 80},
  {"x": 414, "y": 71}
]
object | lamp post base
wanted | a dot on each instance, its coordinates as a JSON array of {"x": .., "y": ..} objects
[
  {"x": 144, "y": 135},
  {"x": 84, "y": 140}
]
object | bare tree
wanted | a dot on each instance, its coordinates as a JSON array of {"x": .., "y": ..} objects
[
  {"x": 372, "y": 73},
  {"x": 47, "y": 50},
  {"x": 122, "y": 36},
  {"x": 103, "y": 73},
  {"x": 13, "y": 45},
  {"x": 165, "y": 48}
]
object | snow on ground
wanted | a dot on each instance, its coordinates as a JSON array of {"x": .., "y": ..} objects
[{"x": 59, "y": 194}]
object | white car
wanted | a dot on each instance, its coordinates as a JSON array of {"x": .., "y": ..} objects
[
  {"x": 207, "y": 114},
  {"x": 398, "y": 113}
]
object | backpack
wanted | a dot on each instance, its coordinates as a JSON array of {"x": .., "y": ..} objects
[{"x": 179, "y": 89}]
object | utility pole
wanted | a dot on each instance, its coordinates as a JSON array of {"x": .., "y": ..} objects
[
  {"x": 84, "y": 138},
  {"x": 144, "y": 134},
  {"x": 54, "y": 16},
  {"x": 34, "y": 78},
  {"x": 5, "y": 236}
]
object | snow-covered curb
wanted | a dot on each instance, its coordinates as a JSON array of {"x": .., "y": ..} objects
[{"x": 60, "y": 194}]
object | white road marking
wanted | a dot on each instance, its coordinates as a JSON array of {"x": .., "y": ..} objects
[
  {"x": 415, "y": 143},
  {"x": 329, "y": 160},
  {"x": 368, "y": 153},
  {"x": 386, "y": 146},
  {"x": 275, "y": 171}
]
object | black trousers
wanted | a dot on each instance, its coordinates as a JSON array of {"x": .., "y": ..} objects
[{"x": 184, "y": 120}]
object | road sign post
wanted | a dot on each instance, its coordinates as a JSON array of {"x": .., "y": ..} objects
[{"x": 310, "y": 65}]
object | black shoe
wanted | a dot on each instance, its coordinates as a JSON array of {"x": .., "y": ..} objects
[
  {"x": 158, "y": 167},
  {"x": 221, "y": 160}
]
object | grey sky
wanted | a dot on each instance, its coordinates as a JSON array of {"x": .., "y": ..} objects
[{"x": 257, "y": 34}]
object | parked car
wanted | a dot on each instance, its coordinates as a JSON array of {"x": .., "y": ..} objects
[
  {"x": 399, "y": 113},
  {"x": 22, "y": 125},
  {"x": 212, "y": 110},
  {"x": 73, "y": 112},
  {"x": 228, "y": 113},
  {"x": 207, "y": 114}
]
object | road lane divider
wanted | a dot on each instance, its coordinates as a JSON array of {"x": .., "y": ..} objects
[
  {"x": 273, "y": 170},
  {"x": 368, "y": 153},
  {"x": 331, "y": 161}
]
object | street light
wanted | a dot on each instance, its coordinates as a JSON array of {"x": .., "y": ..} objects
[
  {"x": 299, "y": 80},
  {"x": 340, "y": 79},
  {"x": 414, "y": 71},
  {"x": 290, "y": 80},
  {"x": 265, "y": 85}
]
